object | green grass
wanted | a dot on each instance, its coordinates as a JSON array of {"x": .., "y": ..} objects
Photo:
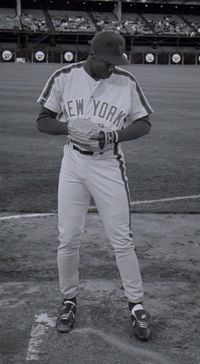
[{"x": 163, "y": 164}]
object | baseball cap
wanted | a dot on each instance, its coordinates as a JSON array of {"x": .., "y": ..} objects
[{"x": 110, "y": 45}]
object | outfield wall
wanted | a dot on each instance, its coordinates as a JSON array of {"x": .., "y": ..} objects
[{"x": 138, "y": 56}]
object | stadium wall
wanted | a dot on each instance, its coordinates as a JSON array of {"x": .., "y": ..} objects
[
  {"x": 70, "y": 53},
  {"x": 46, "y": 44}
]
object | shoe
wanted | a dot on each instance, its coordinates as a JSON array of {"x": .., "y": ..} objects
[
  {"x": 66, "y": 316},
  {"x": 140, "y": 321}
]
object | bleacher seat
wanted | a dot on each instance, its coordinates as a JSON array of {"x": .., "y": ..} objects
[
  {"x": 168, "y": 24},
  {"x": 194, "y": 22},
  {"x": 135, "y": 25},
  {"x": 34, "y": 20},
  {"x": 66, "y": 21},
  {"x": 9, "y": 19}
]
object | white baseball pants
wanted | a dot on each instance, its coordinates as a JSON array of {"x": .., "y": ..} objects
[{"x": 101, "y": 176}]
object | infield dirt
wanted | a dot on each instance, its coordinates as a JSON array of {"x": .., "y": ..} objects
[{"x": 168, "y": 248}]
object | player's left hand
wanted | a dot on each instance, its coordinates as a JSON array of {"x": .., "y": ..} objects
[{"x": 90, "y": 135}]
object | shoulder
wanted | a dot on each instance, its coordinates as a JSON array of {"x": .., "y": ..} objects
[
  {"x": 66, "y": 70},
  {"x": 124, "y": 73}
]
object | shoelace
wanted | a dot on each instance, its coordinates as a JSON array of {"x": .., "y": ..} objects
[
  {"x": 142, "y": 324},
  {"x": 66, "y": 315},
  {"x": 141, "y": 321}
]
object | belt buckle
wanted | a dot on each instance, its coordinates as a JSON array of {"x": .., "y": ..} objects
[{"x": 97, "y": 154}]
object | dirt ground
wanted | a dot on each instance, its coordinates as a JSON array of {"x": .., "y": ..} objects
[{"x": 168, "y": 249}]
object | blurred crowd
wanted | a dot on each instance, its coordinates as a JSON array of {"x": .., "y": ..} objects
[
  {"x": 34, "y": 23},
  {"x": 133, "y": 25},
  {"x": 172, "y": 25},
  {"x": 71, "y": 23},
  {"x": 137, "y": 26}
]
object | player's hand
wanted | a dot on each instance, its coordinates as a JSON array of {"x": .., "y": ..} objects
[
  {"x": 90, "y": 135},
  {"x": 105, "y": 137}
]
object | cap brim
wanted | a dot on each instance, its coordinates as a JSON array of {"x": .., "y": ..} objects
[{"x": 118, "y": 60}]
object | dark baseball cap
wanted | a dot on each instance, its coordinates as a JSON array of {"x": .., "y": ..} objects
[{"x": 111, "y": 46}]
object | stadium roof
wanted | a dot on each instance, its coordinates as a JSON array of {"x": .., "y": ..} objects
[
  {"x": 62, "y": 3},
  {"x": 181, "y": 2}
]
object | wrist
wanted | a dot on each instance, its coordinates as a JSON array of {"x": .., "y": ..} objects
[
  {"x": 108, "y": 137},
  {"x": 111, "y": 137},
  {"x": 116, "y": 137}
]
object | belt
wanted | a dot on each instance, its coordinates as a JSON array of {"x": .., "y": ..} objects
[{"x": 82, "y": 151}]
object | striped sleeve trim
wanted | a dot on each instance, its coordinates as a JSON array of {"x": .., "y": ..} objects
[
  {"x": 145, "y": 104},
  {"x": 50, "y": 83}
]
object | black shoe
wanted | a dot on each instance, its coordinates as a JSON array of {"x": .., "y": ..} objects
[
  {"x": 140, "y": 321},
  {"x": 66, "y": 316}
]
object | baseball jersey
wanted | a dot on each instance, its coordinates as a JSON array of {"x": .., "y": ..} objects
[{"x": 114, "y": 102}]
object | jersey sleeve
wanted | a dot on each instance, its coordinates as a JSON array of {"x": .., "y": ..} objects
[
  {"x": 139, "y": 104},
  {"x": 51, "y": 94}
]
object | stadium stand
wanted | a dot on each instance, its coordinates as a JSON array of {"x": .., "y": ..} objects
[
  {"x": 136, "y": 24},
  {"x": 164, "y": 29},
  {"x": 9, "y": 19},
  {"x": 37, "y": 20},
  {"x": 34, "y": 20},
  {"x": 168, "y": 24},
  {"x": 106, "y": 21},
  {"x": 65, "y": 21},
  {"x": 194, "y": 23}
]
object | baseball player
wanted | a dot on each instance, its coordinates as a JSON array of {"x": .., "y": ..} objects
[{"x": 97, "y": 105}]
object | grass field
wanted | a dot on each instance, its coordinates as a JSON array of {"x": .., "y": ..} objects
[{"x": 164, "y": 164}]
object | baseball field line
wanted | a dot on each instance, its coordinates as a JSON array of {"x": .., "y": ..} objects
[
  {"x": 40, "y": 326},
  {"x": 42, "y": 322},
  {"x": 94, "y": 209}
]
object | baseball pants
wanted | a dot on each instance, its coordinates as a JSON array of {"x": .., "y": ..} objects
[{"x": 101, "y": 176}]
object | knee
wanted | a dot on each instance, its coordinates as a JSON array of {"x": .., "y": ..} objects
[
  {"x": 69, "y": 239},
  {"x": 123, "y": 247},
  {"x": 67, "y": 245}
]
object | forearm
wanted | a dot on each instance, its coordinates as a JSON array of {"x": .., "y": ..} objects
[
  {"x": 136, "y": 130},
  {"x": 47, "y": 123},
  {"x": 51, "y": 126}
]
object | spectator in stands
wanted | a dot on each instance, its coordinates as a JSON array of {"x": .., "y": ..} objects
[{"x": 34, "y": 23}]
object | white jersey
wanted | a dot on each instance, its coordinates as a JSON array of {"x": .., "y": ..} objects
[{"x": 114, "y": 102}]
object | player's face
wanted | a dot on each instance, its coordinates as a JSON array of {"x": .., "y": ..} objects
[{"x": 101, "y": 68}]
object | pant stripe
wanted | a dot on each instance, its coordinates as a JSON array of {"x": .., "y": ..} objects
[{"x": 125, "y": 180}]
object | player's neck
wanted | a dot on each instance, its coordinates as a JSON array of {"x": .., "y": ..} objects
[{"x": 87, "y": 67}]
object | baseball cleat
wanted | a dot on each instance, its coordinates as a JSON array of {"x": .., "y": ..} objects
[
  {"x": 66, "y": 316},
  {"x": 140, "y": 321}
]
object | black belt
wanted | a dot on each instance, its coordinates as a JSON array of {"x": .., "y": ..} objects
[{"x": 82, "y": 151}]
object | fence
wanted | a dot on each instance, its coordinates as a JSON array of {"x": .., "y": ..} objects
[{"x": 42, "y": 55}]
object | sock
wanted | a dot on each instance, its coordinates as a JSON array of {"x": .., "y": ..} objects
[
  {"x": 133, "y": 305},
  {"x": 71, "y": 300}
]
